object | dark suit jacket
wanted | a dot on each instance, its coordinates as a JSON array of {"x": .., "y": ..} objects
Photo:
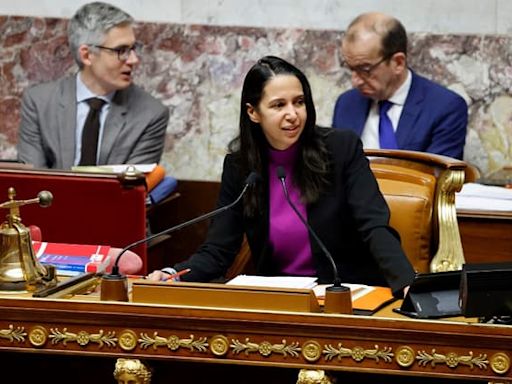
[
  {"x": 434, "y": 119},
  {"x": 134, "y": 130},
  {"x": 351, "y": 218}
]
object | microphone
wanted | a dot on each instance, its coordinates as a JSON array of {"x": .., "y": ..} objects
[
  {"x": 336, "y": 299},
  {"x": 115, "y": 274},
  {"x": 282, "y": 177}
]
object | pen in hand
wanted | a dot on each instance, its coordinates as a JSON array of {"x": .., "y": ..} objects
[{"x": 177, "y": 274}]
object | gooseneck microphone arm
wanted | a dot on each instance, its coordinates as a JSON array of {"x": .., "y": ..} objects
[
  {"x": 281, "y": 174},
  {"x": 249, "y": 182}
]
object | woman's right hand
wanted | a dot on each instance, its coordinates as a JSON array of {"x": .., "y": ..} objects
[{"x": 158, "y": 275}]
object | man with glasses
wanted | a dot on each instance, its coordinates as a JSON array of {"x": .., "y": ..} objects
[
  {"x": 390, "y": 105},
  {"x": 97, "y": 116}
]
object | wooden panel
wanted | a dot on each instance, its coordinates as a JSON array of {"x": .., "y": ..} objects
[
  {"x": 341, "y": 343},
  {"x": 225, "y": 296},
  {"x": 195, "y": 198},
  {"x": 486, "y": 237}
]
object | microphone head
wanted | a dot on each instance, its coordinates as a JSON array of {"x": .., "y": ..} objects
[
  {"x": 45, "y": 198},
  {"x": 281, "y": 174},
  {"x": 252, "y": 179}
]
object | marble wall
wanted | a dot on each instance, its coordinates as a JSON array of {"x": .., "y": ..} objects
[
  {"x": 197, "y": 71},
  {"x": 432, "y": 16}
]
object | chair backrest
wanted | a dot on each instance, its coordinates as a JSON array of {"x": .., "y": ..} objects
[{"x": 420, "y": 191}]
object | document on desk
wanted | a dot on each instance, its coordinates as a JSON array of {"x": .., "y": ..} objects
[
  {"x": 274, "y": 281},
  {"x": 366, "y": 299},
  {"x": 479, "y": 197},
  {"x": 115, "y": 168}
]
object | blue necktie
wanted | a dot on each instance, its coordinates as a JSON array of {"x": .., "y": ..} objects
[{"x": 387, "y": 137}]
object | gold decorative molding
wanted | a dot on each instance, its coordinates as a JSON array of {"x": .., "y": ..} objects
[
  {"x": 452, "y": 359},
  {"x": 449, "y": 256},
  {"x": 265, "y": 348},
  {"x": 38, "y": 336},
  {"x": 405, "y": 356},
  {"x": 173, "y": 342},
  {"x": 128, "y": 340},
  {"x": 500, "y": 363},
  {"x": 13, "y": 334},
  {"x": 219, "y": 345},
  {"x": 311, "y": 351},
  {"x": 83, "y": 338},
  {"x": 357, "y": 353}
]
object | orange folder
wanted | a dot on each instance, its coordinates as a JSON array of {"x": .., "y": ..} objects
[{"x": 154, "y": 177}]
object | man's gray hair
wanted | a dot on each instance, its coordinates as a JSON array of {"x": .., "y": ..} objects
[{"x": 91, "y": 23}]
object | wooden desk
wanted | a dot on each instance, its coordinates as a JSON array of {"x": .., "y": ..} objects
[
  {"x": 76, "y": 335},
  {"x": 486, "y": 235}
]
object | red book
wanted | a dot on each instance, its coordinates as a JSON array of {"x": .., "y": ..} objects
[{"x": 73, "y": 259}]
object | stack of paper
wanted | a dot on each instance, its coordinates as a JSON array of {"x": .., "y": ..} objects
[
  {"x": 274, "y": 281},
  {"x": 481, "y": 197},
  {"x": 117, "y": 168}
]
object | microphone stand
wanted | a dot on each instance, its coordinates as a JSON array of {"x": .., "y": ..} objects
[
  {"x": 114, "y": 286},
  {"x": 338, "y": 298}
]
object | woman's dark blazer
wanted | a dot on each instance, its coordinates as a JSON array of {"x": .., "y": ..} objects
[{"x": 351, "y": 219}]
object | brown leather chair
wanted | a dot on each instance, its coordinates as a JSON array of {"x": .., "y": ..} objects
[{"x": 420, "y": 190}]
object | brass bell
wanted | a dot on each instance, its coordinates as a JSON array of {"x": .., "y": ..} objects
[{"x": 20, "y": 271}]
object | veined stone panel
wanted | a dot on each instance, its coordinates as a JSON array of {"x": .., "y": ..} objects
[{"x": 198, "y": 70}]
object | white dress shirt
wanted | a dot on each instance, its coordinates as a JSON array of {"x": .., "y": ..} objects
[
  {"x": 82, "y": 110},
  {"x": 370, "y": 134}
]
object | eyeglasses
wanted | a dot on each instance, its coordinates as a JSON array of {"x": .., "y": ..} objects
[
  {"x": 365, "y": 70},
  {"x": 124, "y": 51}
]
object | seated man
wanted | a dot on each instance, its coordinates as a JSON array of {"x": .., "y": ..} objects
[
  {"x": 417, "y": 114},
  {"x": 97, "y": 116}
]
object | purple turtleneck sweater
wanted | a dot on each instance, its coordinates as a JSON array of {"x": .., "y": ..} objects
[{"x": 288, "y": 235}]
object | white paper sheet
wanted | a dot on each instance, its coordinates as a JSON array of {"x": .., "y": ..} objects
[
  {"x": 274, "y": 281},
  {"x": 481, "y": 197}
]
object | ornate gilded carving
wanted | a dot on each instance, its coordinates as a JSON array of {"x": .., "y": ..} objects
[
  {"x": 219, "y": 345},
  {"x": 311, "y": 351},
  {"x": 131, "y": 371},
  {"x": 265, "y": 348},
  {"x": 309, "y": 376},
  {"x": 83, "y": 338},
  {"x": 38, "y": 336},
  {"x": 405, "y": 356},
  {"x": 173, "y": 342},
  {"x": 500, "y": 363},
  {"x": 449, "y": 256},
  {"x": 452, "y": 359},
  {"x": 358, "y": 353},
  {"x": 12, "y": 334},
  {"x": 128, "y": 340}
]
